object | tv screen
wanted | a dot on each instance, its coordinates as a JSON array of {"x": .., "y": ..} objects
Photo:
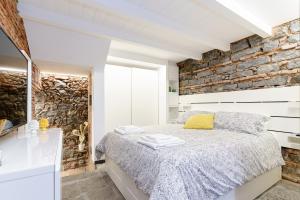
[{"x": 13, "y": 85}]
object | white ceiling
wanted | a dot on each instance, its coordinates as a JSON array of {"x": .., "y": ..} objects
[
  {"x": 166, "y": 29},
  {"x": 273, "y": 12}
]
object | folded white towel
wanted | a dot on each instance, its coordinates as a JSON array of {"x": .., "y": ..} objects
[
  {"x": 159, "y": 138},
  {"x": 158, "y": 141},
  {"x": 124, "y": 130}
]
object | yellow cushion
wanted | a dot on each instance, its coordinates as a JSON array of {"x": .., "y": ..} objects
[{"x": 200, "y": 121}]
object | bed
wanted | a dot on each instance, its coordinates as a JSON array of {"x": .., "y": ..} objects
[{"x": 212, "y": 164}]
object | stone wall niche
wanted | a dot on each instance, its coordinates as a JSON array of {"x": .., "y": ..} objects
[{"x": 63, "y": 100}]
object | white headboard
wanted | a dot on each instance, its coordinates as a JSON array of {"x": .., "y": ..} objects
[{"x": 281, "y": 104}]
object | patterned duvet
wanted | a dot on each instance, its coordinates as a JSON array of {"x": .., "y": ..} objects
[{"x": 207, "y": 166}]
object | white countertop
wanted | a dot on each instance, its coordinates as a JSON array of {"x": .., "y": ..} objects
[{"x": 25, "y": 156}]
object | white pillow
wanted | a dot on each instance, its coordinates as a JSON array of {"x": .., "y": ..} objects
[
  {"x": 242, "y": 122},
  {"x": 182, "y": 119}
]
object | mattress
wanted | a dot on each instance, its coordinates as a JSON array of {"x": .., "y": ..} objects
[{"x": 207, "y": 166}]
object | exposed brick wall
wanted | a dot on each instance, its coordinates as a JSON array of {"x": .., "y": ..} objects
[
  {"x": 63, "y": 100},
  {"x": 251, "y": 63},
  {"x": 291, "y": 171},
  {"x": 12, "y": 24}
]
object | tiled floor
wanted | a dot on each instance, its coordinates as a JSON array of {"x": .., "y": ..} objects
[{"x": 98, "y": 186}]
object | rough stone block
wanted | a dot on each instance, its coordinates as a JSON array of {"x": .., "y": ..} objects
[
  {"x": 253, "y": 62},
  {"x": 296, "y": 80},
  {"x": 295, "y": 26},
  {"x": 270, "y": 45},
  {"x": 294, "y": 38},
  {"x": 200, "y": 81},
  {"x": 259, "y": 83},
  {"x": 239, "y": 45},
  {"x": 288, "y": 46},
  {"x": 200, "y": 65},
  {"x": 245, "y": 73},
  {"x": 217, "y": 88},
  {"x": 276, "y": 81},
  {"x": 245, "y": 85},
  {"x": 183, "y": 83},
  {"x": 255, "y": 40},
  {"x": 204, "y": 73},
  {"x": 294, "y": 64},
  {"x": 215, "y": 78},
  {"x": 230, "y": 86},
  {"x": 280, "y": 31},
  {"x": 210, "y": 55},
  {"x": 226, "y": 69},
  {"x": 286, "y": 55},
  {"x": 236, "y": 56},
  {"x": 268, "y": 68}
]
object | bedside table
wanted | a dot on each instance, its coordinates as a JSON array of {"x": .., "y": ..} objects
[{"x": 288, "y": 140}]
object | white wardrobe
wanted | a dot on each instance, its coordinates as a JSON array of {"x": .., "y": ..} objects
[{"x": 131, "y": 96}]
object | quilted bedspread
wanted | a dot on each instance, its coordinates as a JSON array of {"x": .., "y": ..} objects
[{"x": 207, "y": 166}]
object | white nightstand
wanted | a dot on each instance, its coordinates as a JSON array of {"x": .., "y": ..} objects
[{"x": 287, "y": 140}]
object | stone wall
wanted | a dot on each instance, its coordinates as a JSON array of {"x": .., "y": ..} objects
[
  {"x": 12, "y": 24},
  {"x": 251, "y": 63},
  {"x": 291, "y": 171},
  {"x": 64, "y": 101},
  {"x": 13, "y": 96}
]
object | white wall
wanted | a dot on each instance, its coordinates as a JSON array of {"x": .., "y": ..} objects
[
  {"x": 64, "y": 47},
  {"x": 173, "y": 71},
  {"x": 162, "y": 90},
  {"x": 98, "y": 107},
  {"x": 58, "y": 45}
]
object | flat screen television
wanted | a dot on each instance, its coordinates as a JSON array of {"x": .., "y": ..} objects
[{"x": 13, "y": 85}]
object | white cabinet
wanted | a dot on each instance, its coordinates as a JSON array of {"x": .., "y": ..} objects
[
  {"x": 31, "y": 166},
  {"x": 131, "y": 96}
]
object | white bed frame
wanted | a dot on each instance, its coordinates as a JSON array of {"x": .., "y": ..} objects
[
  {"x": 247, "y": 191},
  {"x": 282, "y": 104}
]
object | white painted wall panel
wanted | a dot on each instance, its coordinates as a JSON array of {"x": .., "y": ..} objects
[
  {"x": 269, "y": 94},
  {"x": 281, "y": 104},
  {"x": 117, "y": 96},
  {"x": 285, "y": 124},
  {"x": 144, "y": 97},
  {"x": 270, "y": 109}
]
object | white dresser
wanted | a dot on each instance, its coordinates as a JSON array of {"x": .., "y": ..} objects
[{"x": 31, "y": 166}]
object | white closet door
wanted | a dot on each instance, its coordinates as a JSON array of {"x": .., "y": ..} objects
[
  {"x": 144, "y": 97},
  {"x": 117, "y": 96}
]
